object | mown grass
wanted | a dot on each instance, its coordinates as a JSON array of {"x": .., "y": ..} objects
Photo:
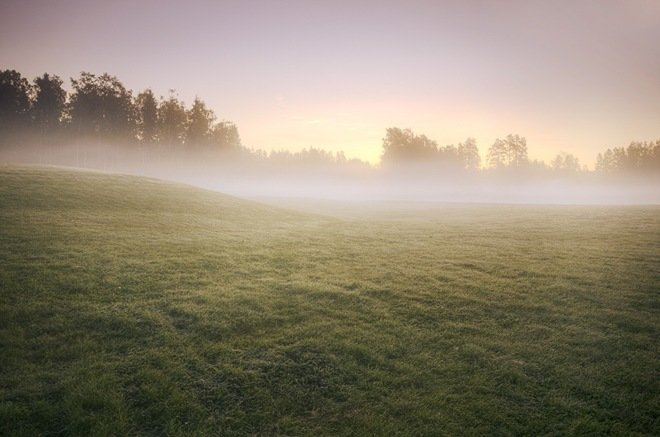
[{"x": 131, "y": 306}]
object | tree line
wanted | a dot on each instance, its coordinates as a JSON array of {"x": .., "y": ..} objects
[
  {"x": 99, "y": 108},
  {"x": 510, "y": 153}
]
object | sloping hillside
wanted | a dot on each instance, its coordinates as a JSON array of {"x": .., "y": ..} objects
[{"x": 131, "y": 306}]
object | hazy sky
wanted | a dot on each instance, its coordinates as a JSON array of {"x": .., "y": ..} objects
[{"x": 574, "y": 76}]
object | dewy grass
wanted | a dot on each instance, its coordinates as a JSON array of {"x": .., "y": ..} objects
[{"x": 131, "y": 306}]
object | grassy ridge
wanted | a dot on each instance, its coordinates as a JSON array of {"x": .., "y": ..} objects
[{"x": 134, "y": 306}]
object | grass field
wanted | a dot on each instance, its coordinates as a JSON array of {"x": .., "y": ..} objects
[{"x": 131, "y": 306}]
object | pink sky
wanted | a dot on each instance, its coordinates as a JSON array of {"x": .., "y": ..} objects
[{"x": 573, "y": 76}]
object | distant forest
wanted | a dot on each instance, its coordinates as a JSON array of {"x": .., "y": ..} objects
[{"x": 43, "y": 116}]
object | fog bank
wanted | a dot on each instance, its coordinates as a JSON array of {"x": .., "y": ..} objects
[{"x": 243, "y": 174}]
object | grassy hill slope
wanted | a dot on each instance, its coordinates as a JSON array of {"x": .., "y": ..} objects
[{"x": 136, "y": 306}]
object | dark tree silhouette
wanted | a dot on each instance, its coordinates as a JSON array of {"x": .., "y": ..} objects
[
  {"x": 147, "y": 116},
  {"x": 101, "y": 107},
  {"x": 469, "y": 154},
  {"x": 172, "y": 119},
  {"x": 15, "y": 92},
  {"x": 224, "y": 137},
  {"x": 403, "y": 145},
  {"x": 49, "y": 104},
  {"x": 200, "y": 120},
  {"x": 638, "y": 157},
  {"x": 566, "y": 163},
  {"x": 510, "y": 152}
]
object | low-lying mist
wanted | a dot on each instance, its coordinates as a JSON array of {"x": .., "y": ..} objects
[{"x": 245, "y": 174}]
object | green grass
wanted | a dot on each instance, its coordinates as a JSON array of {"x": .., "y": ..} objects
[{"x": 135, "y": 306}]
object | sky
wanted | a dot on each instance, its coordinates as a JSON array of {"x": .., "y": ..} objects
[{"x": 571, "y": 76}]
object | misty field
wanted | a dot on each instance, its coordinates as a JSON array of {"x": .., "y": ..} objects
[{"x": 131, "y": 306}]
